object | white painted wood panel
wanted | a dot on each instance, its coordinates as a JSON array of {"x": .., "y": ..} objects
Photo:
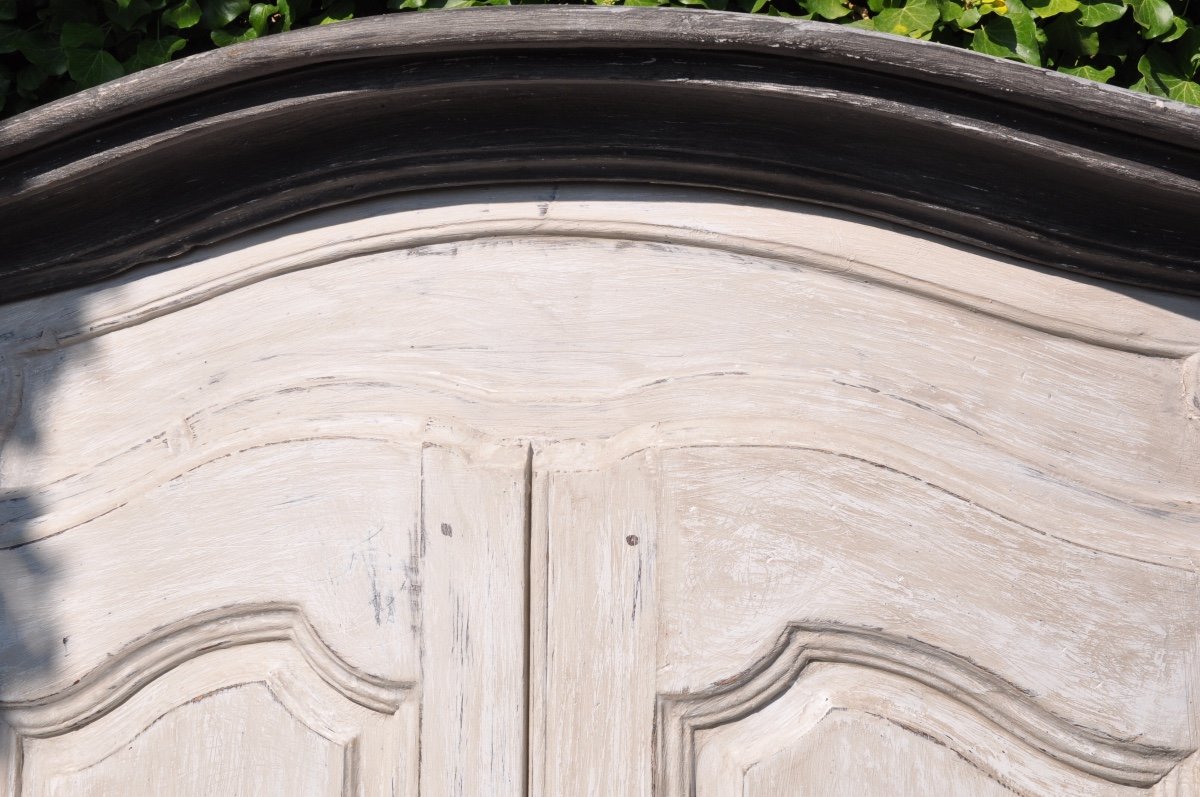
[
  {"x": 217, "y": 725},
  {"x": 474, "y": 599},
  {"x": 595, "y": 675},
  {"x": 587, "y": 491}
]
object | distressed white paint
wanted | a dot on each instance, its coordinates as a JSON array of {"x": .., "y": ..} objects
[{"x": 592, "y": 490}]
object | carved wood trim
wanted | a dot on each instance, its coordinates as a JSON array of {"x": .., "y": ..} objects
[
  {"x": 109, "y": 685},
  {"x": 551, "y": 94},
  {"x": 995, "y": 701},
  {"x": 623, "y": 230}
]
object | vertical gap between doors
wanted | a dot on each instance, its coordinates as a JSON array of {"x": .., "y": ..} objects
[{"x": 527, "y": 647}]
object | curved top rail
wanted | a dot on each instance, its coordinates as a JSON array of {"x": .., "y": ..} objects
[
  {"x": 557, "y": 27},
  {"x": 1021, "y": 161}
]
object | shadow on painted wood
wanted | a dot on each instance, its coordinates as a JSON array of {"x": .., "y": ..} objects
[{"x": 31, "y": 646}]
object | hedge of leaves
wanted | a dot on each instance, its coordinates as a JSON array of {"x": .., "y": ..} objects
[{"x": 50, "y": 48}]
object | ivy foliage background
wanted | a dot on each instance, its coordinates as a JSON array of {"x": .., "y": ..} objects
[{"x": 51, "y": 48}]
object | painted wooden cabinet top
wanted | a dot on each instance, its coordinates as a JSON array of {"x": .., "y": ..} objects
[{"x": 570, "y": 401}]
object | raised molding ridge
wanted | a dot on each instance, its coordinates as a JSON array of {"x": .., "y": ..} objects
[
  {"x": 474, "y": 445},
  {"x": 623, "y": 230},
  {"x": 469, "y": 443},
  {"x": 586, "y": 89},
  {"x": 996, "y": 702},
  {"x": 112, "y": 683}
]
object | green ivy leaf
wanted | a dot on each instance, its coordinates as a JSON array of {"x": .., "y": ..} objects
[
  {"x": 219, "y": 13},
  {"x": 11, "y": 38},
  {"x": 1152, "y": 16},
  {"x": 81, "y": 34},
  {"x": 44, "y": 50},
  {"x": 1094, "y": 13},
  {"x": 90, "y": 67},
  {"x": 223, "y": 38},
  {"x": 260, "y": 17},
  {"x": 879, "y": 5},
  {"x": 1090, "y": 72},
  {"x": 1050, "y": 8},
  {"x": 913, "y": 19},
  {"x": 30, "y": 78},
  {"x": 1179, "y": 26},
  {"x": 8, "y": 9},
  {"x": 285, "y": 11},
  {"x": 1162, "y": 76},
  {"x": 956, "y": 14},
  {"x": 152, "y": 52},
  {"x": 133, "y": 15},
  {"x": 1011, "y": 35},
  {"x": 1187, "y": 52},
  {"x": 185, "y": 15},
  {"x": 1187, "y": 91},
  {"x": 827, "y": 9},
  {"x": 1066, "y": 34}
]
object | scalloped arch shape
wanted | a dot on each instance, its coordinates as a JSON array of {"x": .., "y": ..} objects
[
  {"x": 125, "y": 673},
  {"x": 994, "y": 702}
]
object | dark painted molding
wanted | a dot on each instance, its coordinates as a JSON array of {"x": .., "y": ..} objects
[{"x": 1023, "y": 162}]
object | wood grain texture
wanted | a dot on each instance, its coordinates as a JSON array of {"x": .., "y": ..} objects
[
  {"x": 130, "y": 670},
  {"x": 1004, "y": 344},
  {"x": 582, "y": 490},
  {"x": 248, "y": 719},
  {"x": 537, "y": 94},
  {"x": 710, "y": 740},
  {"x": 595, "y": 675},
  {"x": 474, "y": 604}
]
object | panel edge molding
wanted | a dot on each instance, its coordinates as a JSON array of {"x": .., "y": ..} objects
[
  {"x": 994, "y": 700},
  {"x": 806, "y": 252},
  {"x": 110, "y": 684}
]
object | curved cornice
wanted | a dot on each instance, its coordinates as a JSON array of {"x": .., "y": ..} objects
[{"x": 1020, "y": 161}]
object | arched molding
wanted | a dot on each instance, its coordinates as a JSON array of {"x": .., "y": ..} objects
[
  {"x": 1026, "y": 163},
  {"x": 112, "y": 683},
  {"x": 997, "y": 704}
]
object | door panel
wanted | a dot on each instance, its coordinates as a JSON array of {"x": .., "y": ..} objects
[
  {"x": 270, "y": 724},
  {"x": 756, "y": 538},
  {"x": 821, "y": 624},
  {"x": 354, "y": 606},
  {"x": 264, "y": 584},
  {"x": 593, "y": 655},
  {"x": 272, "y": 587},
  {"x": 735, "y": 499},
  {"x": 474, "y": 599}
]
